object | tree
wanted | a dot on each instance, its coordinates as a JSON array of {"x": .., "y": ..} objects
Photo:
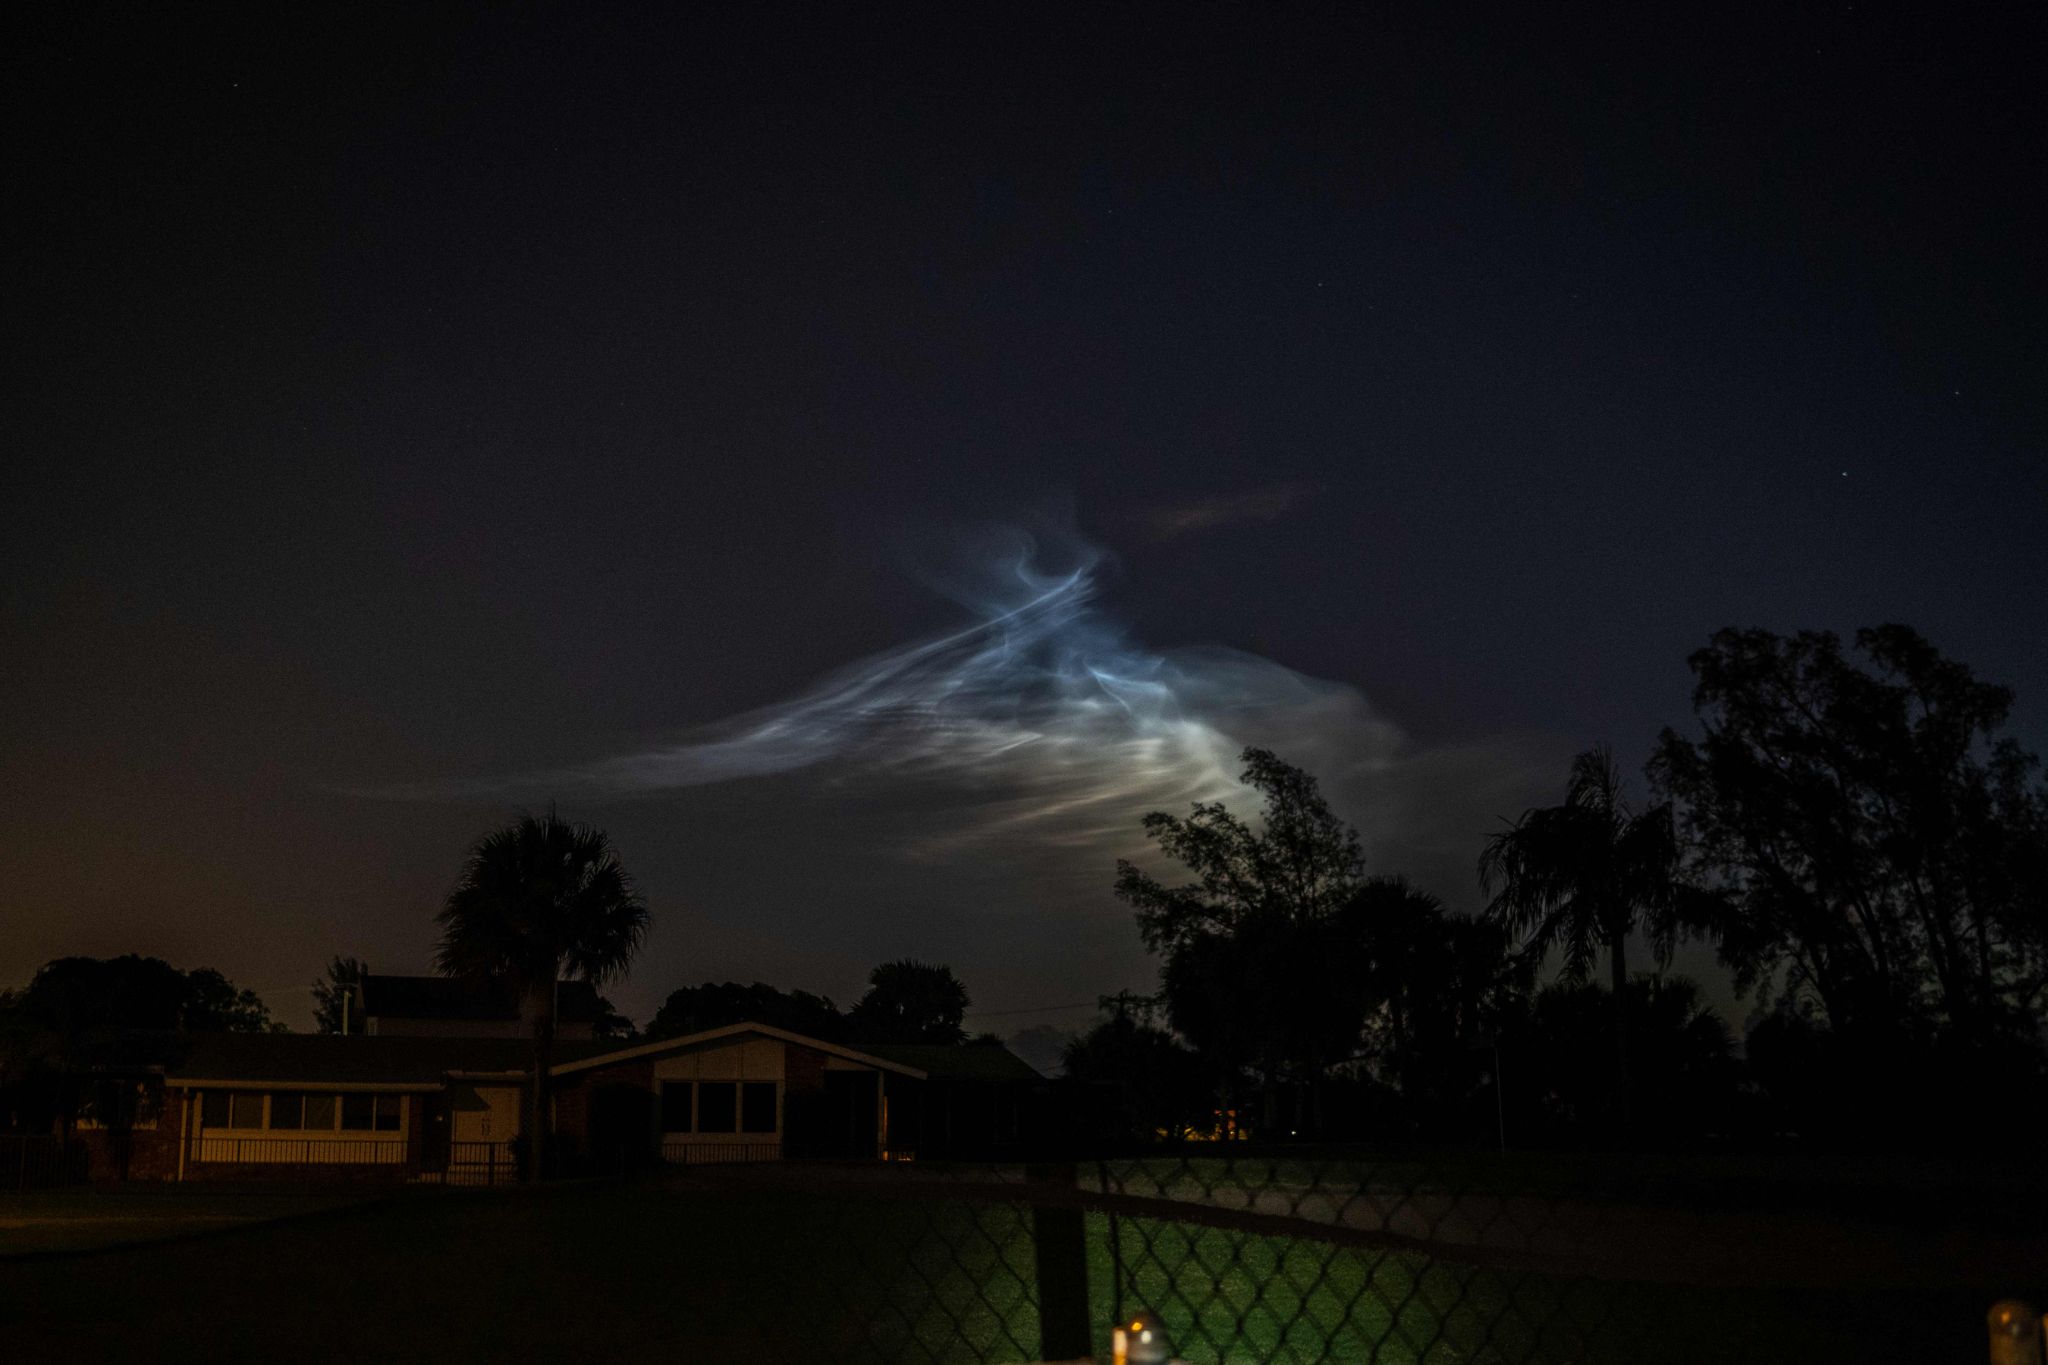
[
  {"x": 612, "y": 1025},
  {"x": 1446, "y": 988},
  {"x": 1302, "y": 865},
  {"x": 911, "y": 1002},
  {"x": 1156, "y": 1087},
  {"x": 1685, "y": 1083},
  {"x": 1264, "y": 955},
  {"x": 692, "y": 1009},
  {"x": 331, "y": 993},
  {"x": 214, "y": 1004},
  {"x": 540, "y": 901},
  {"x": 85, "y": 996},
  {"x": 1881, "y": 854},
  {"x": 1583, "y": 876},
  {"x": 74, "y": 1016}
]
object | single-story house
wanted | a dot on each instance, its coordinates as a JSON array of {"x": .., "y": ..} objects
[{"x": 407, "y": 1106}]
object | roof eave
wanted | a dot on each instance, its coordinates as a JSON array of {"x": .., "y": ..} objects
[{"x": 732, "y": 1030}]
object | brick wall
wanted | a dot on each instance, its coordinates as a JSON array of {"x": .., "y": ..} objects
[{"x": 141, "y": 1153}]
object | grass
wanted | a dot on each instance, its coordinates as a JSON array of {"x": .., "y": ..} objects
[
  {"x": 89, "y": 1218},
  {"x": 670, "y": 1270}
]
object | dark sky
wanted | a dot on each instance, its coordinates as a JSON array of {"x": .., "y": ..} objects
[{"x": 408, "y": 412}]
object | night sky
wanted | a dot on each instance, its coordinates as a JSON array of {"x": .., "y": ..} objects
[{"x": 413, "y": 418}]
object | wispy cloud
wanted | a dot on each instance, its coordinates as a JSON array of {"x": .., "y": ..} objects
[
  {"x": 1259, "y": 505},
  {"x": 1041, "y": 725}
]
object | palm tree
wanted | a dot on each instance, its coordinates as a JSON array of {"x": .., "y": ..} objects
[
  {"x": 541, "y": 901},
  {"x": 1583, "y": 876}
]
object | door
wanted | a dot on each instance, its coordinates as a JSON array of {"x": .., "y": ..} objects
[
  {"x": 622, "y": 1128},
  {"x": 486, "y": 1113}
]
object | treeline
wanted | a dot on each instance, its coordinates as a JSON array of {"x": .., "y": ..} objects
[
  {"x": 80, "y": 1018},
  {"x": 906, "y": 1001},
  {"x": 1846, "y": 827}
]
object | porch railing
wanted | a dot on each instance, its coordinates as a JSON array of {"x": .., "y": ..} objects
[
  {"x": 481, "y": 1164},
  {"x": 299, "y": 1151},
  {"x": 694, "y": 1152}
]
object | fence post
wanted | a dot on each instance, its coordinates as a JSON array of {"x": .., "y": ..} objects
[
  {"x": 1059, "y": 1238},
  {"x": 2015, "y": 1333}
]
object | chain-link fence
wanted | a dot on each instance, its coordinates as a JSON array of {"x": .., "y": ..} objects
[{"x": 1236, "y": 1257}]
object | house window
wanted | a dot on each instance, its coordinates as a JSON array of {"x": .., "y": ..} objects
[
  {"x": 370, "y": 1113},
  {"x": 757, "y": 1107},
  {"x": 320, "y": 1111},
  {"x": 213, "y": 1109},
  {"x": 717, "y": 1103},
  {"x": 288, "y": 1109},
  {"x": 245, "y": 1109},
  {"x": 675, "y": 1106},
  {"x": 119, "y": 1102}
]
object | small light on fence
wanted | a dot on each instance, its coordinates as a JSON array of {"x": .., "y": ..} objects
[
  {"x": 1141, "y": 1344},
  {"x": 2015, "y": 1333}
]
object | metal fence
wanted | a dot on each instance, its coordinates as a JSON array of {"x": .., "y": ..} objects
[
  {"x": 695, "y": 1152},
  {"x": 298, "y": 1151},
  {"x": 36, "y": 1161},
  {"x": 480, "y": 1165},
  {"x": 1236, "y": 1257}
]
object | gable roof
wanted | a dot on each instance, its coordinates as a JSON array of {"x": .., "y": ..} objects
[
  {"x": 275, "y": 1059},
  {"x": 959, "y": 1061},
  {"x": 454, "y": 997},
  {"x": 691, "y": 1040}
]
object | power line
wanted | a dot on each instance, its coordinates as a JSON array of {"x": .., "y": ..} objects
[{"x": 1035, "y": 1009}]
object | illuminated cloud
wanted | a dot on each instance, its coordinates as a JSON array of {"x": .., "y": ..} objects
[
  {"x": 1041, "y": 716},
  {"x": 1039, "y": 723}
]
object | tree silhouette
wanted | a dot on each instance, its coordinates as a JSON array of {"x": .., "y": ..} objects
[
  {"x": 1582, "y": 876},
  {"x": 540, "y": 901},
  {"x": 1265, "y": 969},
  {"x": 1878, "y": 848},
  {"x": 1445, "y": 986},
  {"x": 71, "y": 1018},
  {"x": 692, "y": 1009},
  {"x": 331, "y": 993},
  {"x": 911, "y": 1002}
]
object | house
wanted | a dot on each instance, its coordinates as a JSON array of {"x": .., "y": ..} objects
[
  {"x": 404, "y": 1106},
  {"x": 452, "y": 1007}
]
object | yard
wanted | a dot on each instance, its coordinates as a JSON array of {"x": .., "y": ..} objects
[{"x": 692, "y": 1270}]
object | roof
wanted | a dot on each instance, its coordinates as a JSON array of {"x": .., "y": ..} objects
[
  {"x": 401, "y": 1062},
  {"x": 690, "y": 1040},
  {"x": 454, "y": 997},
  {"x": 959, "y": 1061},
  {"x": 332, "y": 1059}
]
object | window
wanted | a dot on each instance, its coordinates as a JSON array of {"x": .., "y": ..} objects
[
  {"x": 675, "y": 1106},
  {"x": 757, "y": 1107},
  {"x": 716, "y": 1102},
  {"x": 370, "y": 1113},
  {"x": 287, "y": 1109},
  {"x": 213, "y": 1109},
  {"x": 320, "y": 1112},
  {"x": 119, "y": 1102},
  {"x": 245, "y": 1109}
]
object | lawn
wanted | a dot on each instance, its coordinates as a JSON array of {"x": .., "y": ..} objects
[
  {"x": 677, "y": 1270},
  {"x": 90, "y": 1218}
]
